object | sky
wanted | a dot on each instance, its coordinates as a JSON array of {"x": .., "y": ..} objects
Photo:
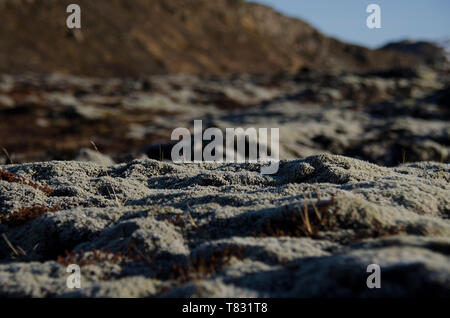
[{"x": 346, "y": 19}]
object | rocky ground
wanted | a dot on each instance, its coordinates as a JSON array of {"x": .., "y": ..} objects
[
  {"x": 386, "y": 118},
  {"x": 86, "y": 176},
  {"x": 139, "y": 225},
  {"x": 152, "y": 228}
]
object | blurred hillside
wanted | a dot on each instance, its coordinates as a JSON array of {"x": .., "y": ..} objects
[
  {"x": 142, "y": 37},
  {"x": 433, "y": 54}
]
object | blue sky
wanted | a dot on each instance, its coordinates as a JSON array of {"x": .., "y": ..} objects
[{"x": 346, "y": 19}]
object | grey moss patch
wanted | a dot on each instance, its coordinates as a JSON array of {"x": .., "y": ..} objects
[{"x": 224, "y": 230}]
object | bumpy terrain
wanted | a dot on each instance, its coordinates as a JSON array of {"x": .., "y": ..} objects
[
  {"x": 151, "y": 228},
  {"x": 86, "y": 118},
  {"x": 388, "y": 118}
]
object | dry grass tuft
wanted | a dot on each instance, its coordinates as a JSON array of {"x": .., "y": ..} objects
[
  {"x": 310, "y": 220},
  {"x": 377, "y": 232},
  {"x": 177, "y": 220},
  {"x": 191, "y": 269},
  {"x": 302, "y": 222},
  {"x": 82, "y": 258},
  {"x": 8, "y": 157},
  {"x": 26, "y": 214},
  {"x": 96, "y": 256},
  {"x": 11, "y": 177},
  {"x": 199, "y": 268},
  {"x": 17, "y": 251}
]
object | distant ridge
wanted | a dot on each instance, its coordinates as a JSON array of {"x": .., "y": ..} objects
[
  {"x": 429, "y": 53},
  {"x": 143, "y": 37}
]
